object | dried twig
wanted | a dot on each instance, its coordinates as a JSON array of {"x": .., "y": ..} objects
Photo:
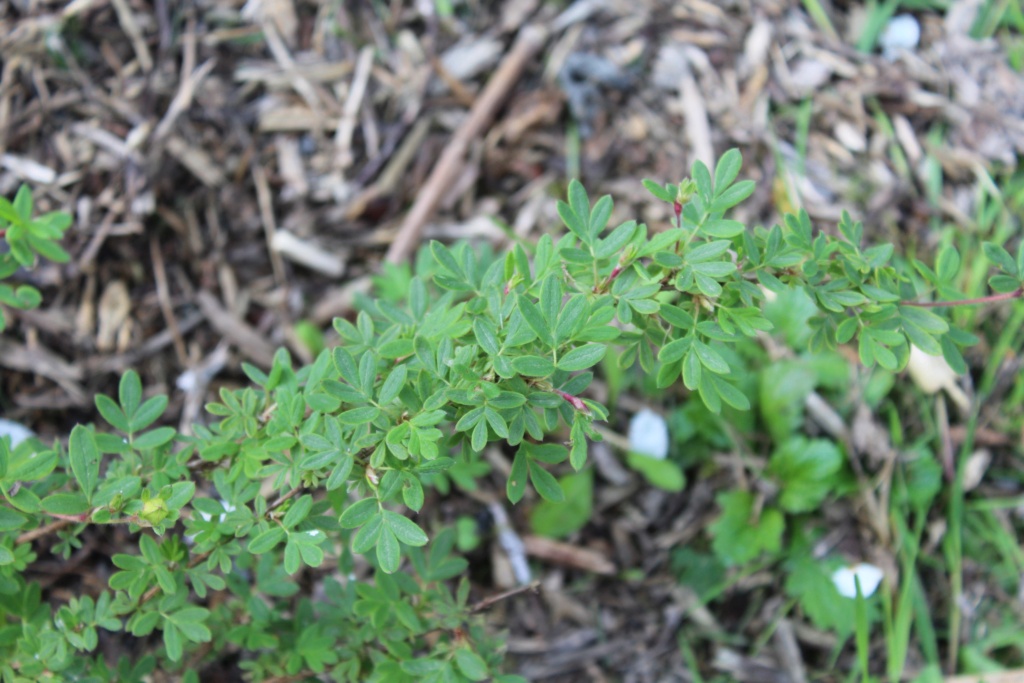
[{"x": 529, "y": 41}]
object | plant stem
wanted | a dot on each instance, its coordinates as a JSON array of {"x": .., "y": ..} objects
[{"x": 1005, "y": 296}]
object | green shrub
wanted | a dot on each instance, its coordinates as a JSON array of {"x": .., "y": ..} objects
[{"x": 482, "y": 349}]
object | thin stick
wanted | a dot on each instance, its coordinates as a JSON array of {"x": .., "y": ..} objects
[
  {"x": 39, "y": 532},
  {"x": 487, "y": 602},
  {"x": 163, "y": 296},
  {"x": 448, "y": 167},
  {"x": 1005, "y": 296}
]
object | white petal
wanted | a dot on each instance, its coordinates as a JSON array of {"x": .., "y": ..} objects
[
  {"x": 932, "y": 373},
  {"x": 648, "y": 434},
  {"x": 868, "y": 575},
  {"x": 16, "y": 431},
  {"x": 901, "y": 33}
]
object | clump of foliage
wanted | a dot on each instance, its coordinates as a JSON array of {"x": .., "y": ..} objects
[{"x": 482, "y": 349}]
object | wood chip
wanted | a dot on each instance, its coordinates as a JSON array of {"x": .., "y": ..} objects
[
  {"x": 308, "y": 254},
  {"x": 196, "y": 160},
  {"x": 568, "y": 555},
  {"x": 112, "y": 312},
  {"x": 250, "y": 342}
]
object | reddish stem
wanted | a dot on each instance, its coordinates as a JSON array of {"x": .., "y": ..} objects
[{"x": 1005, "y": 296}]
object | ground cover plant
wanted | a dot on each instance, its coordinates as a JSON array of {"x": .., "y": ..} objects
[
  {"x": 325, "y": 462},
  {"x": 235, "y": 170}
]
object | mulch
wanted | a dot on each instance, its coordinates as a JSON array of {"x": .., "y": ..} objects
[{"x": 236, "y": 168}]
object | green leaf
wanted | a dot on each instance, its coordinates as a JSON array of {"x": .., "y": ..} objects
[
  {"x": 471, "y": 664},
  {"x": 148, "y": 413},
  {"x": 545, "y": 483},
  {"x": 11, "y": 520},
  {"x": 784, "y": 387},
  {"x": 534, "y": 319},
  {"x": 721, "y": 227},
  {"x": 702, "y": 176},
  {"x": 69, "y": 504},
  {"x": 557, "y": 520},
  {"x": 516, "y": 485},
  {"x": 923, "y": 318},
  {"x": 359, "y": 513},
  {"x": 663, "y": 474},
  {"x": 727, "y": 169},
  {"x": 807, "y": 472},
  {"x": 675, "y": 350},
  {"x": 129, "y": 392},
  {"x": 1003, "y": 284},
  {"x": 112, "y": 413},
  {"x": 173, "y": 643},
  {"x": 389, "y": 554},
  {"x": 533, "y": 366},
  {"x": 738, "y": 536},
  {"x": 658, "y": 190},
  {"x": 948, "y": 264},
  {"x": 478, "y": 439},
  {"x": 446, "y": 260},
  {"x": 496, "y": 422},
  {"x": 733, "y": 196},
  {"x": 358, "y": 416},
  {"x": 190, "y": 621},
  {"x": 999, "y": 256},
  {"x": 392, "y": 385},
  {"x": 707, "y": 251},
  {"x": 85, "y": 459},
  {"x": 571, "y": 317},
  {"x": 404, "y": 529},
  {"x": 369, "y": 534},
  {"x": 486, "y": 336},
  {"x": 265, "y": 541},
  {"x": 580, "y": 204},
  {"x": 582, "y": 357},
  {"x": 154, "y": 438},
  {"x": 710, "y": 358},
  {"x": 298, "y": 511}
]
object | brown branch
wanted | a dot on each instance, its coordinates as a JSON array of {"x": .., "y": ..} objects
[
  {"x": 487, "y": 602},
  {"x": 39, "y": 532},
  {"x": 1005, "y": 296},
  {"x": 529, "y": 41},
  {"x": 280, "y": 501}
]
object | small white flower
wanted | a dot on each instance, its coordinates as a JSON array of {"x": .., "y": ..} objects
[
  {"x": 868, "y": 575},
  {"x": 648, "y": 434}
]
